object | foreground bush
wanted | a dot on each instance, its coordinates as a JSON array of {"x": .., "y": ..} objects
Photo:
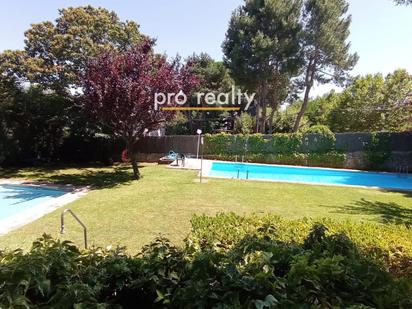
[
  {"x": 388, "y": 245},
  {"x": 228, "y": 262}
]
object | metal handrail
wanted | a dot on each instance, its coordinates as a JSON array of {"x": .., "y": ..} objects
[
  {"x": 78, "y": 220},
  {"x": 402, "y": 169}
]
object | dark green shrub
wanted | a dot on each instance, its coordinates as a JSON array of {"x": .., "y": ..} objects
[
  {"x": 83, "y": 149},
  {"x": 329, "y": 159},
  {"x": 179, "y": 125},
  {"x": 218, "y": 144},
  {"x": 227, "y": 144},
  {"x": 228, "y": 262},
  {"x": 377, "y": 150},
  {"x": 318, "y": 139},
  {"x": 244, "y": 124},
  {"x": 256, "y": 144},
  {"x": 36, "y": 123},
  {"x": 320, "y": 129},
  {"x": 285, "y": 143}
]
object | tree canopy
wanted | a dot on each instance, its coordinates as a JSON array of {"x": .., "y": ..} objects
[
  {"x": 119, "y": 91},
  {"x": 213, "y": 77},
  {"x": 55, "y": 53},
  {"x": 262, "y": 50},
  {"x": 374, "y": 103},
  {"x": 43, "y": 78},
  {"x": 32, "y": 123},
  {"x": 275, "y": 48},
  {"x": 370, "y": 103}
]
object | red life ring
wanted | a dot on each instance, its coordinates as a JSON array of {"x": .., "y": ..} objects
[{"x": 125, "y": 156}]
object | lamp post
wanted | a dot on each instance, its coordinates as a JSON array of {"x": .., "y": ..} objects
[
  {"x": 201, "y": 162},
  {"x": 199, "y": 133}
]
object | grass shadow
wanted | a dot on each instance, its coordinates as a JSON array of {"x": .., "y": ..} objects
[
  {"x": 391, "y": 212},
  {"x": 97, "y": 177},
  {"x": 405, "y": 193}
]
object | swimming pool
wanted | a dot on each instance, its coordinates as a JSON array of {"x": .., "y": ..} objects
[
  {"x": 17, "y": 198},
  {"x": 21, "y": 203},
  {"x": 310, "y": 175}
]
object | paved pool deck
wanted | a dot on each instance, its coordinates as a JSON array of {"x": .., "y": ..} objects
[{"x": 194, "y": 164}]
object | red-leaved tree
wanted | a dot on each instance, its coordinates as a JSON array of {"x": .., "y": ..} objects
[{"x": 119, "y": 91}]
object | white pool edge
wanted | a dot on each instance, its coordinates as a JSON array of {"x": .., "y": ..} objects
[
  {"x": 18, "y": 220},
  {"x": 305, "y": 167},
  {"x": 207, "y": 166},
  {"x": 311, "y": 183}
]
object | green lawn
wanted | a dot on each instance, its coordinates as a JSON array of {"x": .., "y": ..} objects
[{"x": 132, "y": 213}]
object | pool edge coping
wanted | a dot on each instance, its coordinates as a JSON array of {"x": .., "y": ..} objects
[
  {"x": 313, "y": 184},
  {"x": 20, "y": 219}
]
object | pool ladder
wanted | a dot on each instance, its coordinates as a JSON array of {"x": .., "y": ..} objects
[
  {"x": 68, "y": 210},
  {"x": 238, "y": 174},
  {"x": 402, "y": 169}
]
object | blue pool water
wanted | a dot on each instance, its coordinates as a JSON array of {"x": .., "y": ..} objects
[
  {"x": 311, "y": 175},
  {"x": 16, "y": 198}
]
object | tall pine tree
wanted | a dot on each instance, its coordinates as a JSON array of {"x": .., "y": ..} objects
[
  {"x": 327, "y": 56},
  {"x": 262, "y": 50}
]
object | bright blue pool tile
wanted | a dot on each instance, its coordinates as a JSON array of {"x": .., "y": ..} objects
[{"x": 311, "y": 175}]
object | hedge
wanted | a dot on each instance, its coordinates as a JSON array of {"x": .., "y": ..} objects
[
  {"x": 311, "y": 149},
  {"x": 276, "y": 144},
  {"x": 227, "y": 262},
  {"x": 330, "y": 159},
  {"x": 377, "y": 151}
]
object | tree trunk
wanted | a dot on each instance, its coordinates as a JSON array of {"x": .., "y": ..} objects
[
  {"x": 302, "y": 109},
  {"x": 271, "y": 116},
  {"x": 190, "y": 121},
  {"x": 136, "y": 173},
  {"x": 264, "y": 112},
  {"x": 310, "y": 76},
  {"x": 133, "y": 159},
  {"x": 258, "y": 116},
  {"x": 261, "y": 108}
]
